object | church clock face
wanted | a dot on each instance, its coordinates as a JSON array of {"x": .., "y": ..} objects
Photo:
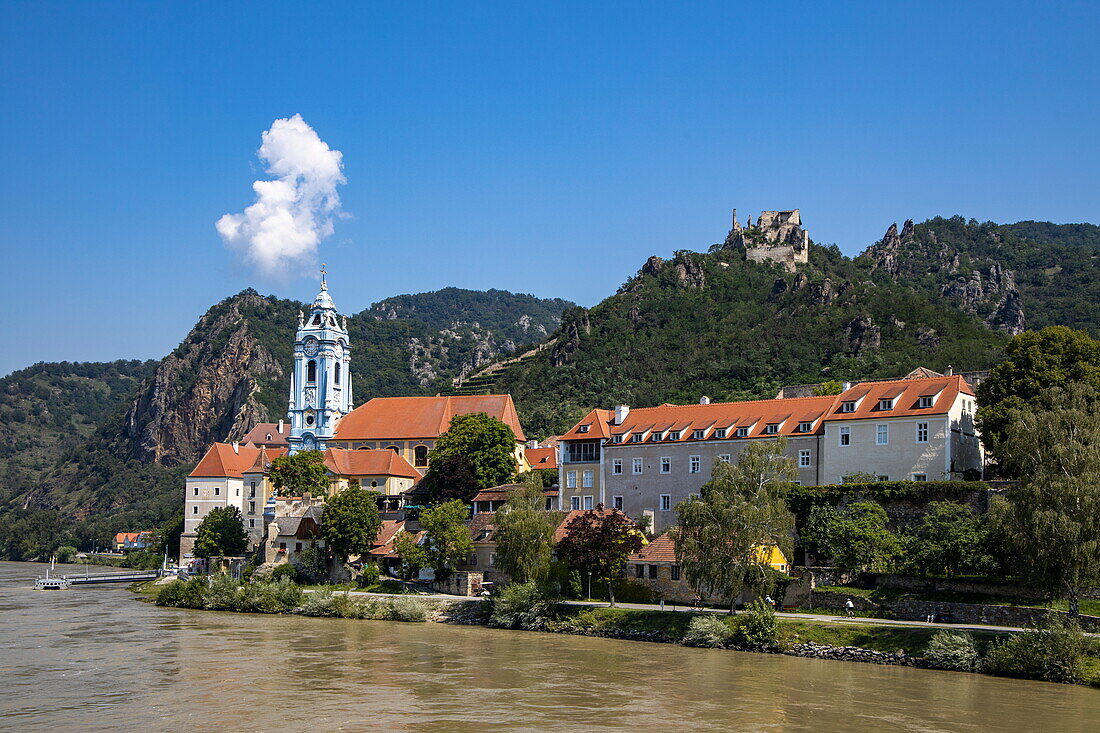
[{"x": 310, "y": 347}]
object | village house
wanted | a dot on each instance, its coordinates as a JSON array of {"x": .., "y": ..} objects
[
  {"x": 490, "y": 500},
  {"x": 128, "y": 541},
  {"x": 294, "y": 527}
]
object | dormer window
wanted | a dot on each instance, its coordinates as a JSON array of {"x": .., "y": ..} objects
[
  {"x": 698, "y": 434},
  {"x": 616, "y": 438},
  {"x": 771, "y": 428},
  {"x": 886, "y": 404},
  {"x": 720, "y": 433},
  {"x": 656, "y": 437},
  {"x": 636, "y": 438},
  {"x": 583, "y": 429},
  {"x": 848, "y": 406},
  {"x": 742, "y": 432},
  {"x": 674, "y": 435},
  {"x": 805, "y": 427},
  {"x": 924, "y": 402}
]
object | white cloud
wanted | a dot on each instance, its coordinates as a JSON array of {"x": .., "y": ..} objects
[{"x": 280, "y": 232}]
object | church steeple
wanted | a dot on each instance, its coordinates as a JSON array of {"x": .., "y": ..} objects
[{"x": 320, "y": 386}]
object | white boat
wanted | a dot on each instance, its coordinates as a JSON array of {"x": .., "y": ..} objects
[{"x": 49, "y": 583}]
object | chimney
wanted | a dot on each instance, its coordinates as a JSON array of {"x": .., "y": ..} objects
[
  {"x": 845, "y": 386},
  {"x": 704, "y": 400},
  {"x": 236, "y": 447},
  {"x": 950, "y": 370},
  {"x": 280, "y": 427},
  {"x": 621, "y": 411}
]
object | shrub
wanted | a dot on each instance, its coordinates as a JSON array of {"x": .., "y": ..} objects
[
  {"x": 952, "y": 650},
  {"x": 409, "y": 608},
  {"x": 181, "y": 593},
  {"x": 285, "y": 570},
  {"x": 628, "y": 590},
  {"x": 222, "y": 593},
  {"x": 757, "y": 627},
  {"x": 707, "y": 631},
  {"x": 311, "y": 565},
  {"x": 65, "y": 553},
  {"x": 1052, "y": 652},
  {"x": 320, "y": 603},
  {"x": 277, "y": 596},
  {"x": 369, "y": 576},
  {"x": 522, "y": 606}
]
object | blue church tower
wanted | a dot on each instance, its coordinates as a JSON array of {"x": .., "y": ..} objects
[{"x": 320, "y": 382}]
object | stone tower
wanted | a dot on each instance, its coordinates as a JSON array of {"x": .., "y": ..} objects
[
  {"x": 776, "y": 236},
  {"x": 320, "y": 382}
]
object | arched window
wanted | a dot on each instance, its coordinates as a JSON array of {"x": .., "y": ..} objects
[
  {"x": 395, "y": 449},
  {"x": 311, "y": 371},
  {"x": 317, "y": 320},
  {"x": 420, "y": 455},
  {"x": 336, "y": 374}
]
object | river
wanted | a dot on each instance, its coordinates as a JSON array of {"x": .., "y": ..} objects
[{"x": 96, "y": 658}]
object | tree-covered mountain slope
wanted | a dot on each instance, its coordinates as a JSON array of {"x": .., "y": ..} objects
[
  {"x": 1014, "y": 276},
  {"x": 717, "y": 325}
]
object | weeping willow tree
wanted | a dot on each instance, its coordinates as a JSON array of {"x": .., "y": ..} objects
[
  {"x": 525, "y": 533},
  {"x": 1050, "y": 523},
  {"x": 724, "y": 536}
]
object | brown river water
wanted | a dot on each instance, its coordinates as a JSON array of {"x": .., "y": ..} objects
[{"x": 95, "y": 658}]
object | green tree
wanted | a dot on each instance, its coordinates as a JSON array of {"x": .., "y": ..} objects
[
  {"x": 722, "y": 534},
  {"x": 949, "y": 539},
  {"x": 1050, "y": 522},
  {"x": 300, "y": 474},
  {"x": 452, "y": 477},
  {"x": 600, "y": 541},
  {"x": 828, "y": 388},
  {"x": 405, "y": 544},
  {"x": 448, "y": 537},
  {"x": 350, "y": 522},
  {"x": 1034, "y": 361},
  {"x": 525, "y": 533},
  {"x": 485, "y": 442},
  {"x": 221, "y": 534},
  {"x": 858, "y": 538},
  {"x": 166, "y": 539}
]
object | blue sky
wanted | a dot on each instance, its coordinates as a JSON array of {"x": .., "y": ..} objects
[{"x": 545, "y": 148}]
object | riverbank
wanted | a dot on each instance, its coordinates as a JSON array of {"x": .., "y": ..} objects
[{"x": 884, "y": 644}]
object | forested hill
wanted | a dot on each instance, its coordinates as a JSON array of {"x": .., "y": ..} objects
[
  {"x": 1014, "y": 276},
  {"x": 715, "y": 324}
]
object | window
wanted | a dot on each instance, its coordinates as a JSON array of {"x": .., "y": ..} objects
[
  {"x": 194, "y": 510},
  {"x": 720, "y": 433},
  {"x": 570, "y": 479},
  {"x": 652, "y": 572},
  {"x": 883, "y": 478},
  {"x": 616, "y": 439},
  {"x": 771, "y": 428},
  {"x": 924, "y": 402},
  {"x": 922, "y": 432},
  {"x": 492, "y": 559},
  {"x": 698, "y": 434},
  {"x": 617, "y": 502},
  {"x": 574, "y": 502},
  {"x": 196, "y": 491},
  {"x": 803, "y": 459},
  {"x": 674, "y": 435},
  {"x": 251, "y": 507},
  {"x": 848, "y": 406},
  {"x": 588, "y": 503},
  {"x": 666, "y": 464},
  {"x": 920, "y": 477},
  {"x": 886, "y": 404},
  {"x": 586, "y": 479},
  {"x": 655, "y": 437},
  {"x": 639, "y": 571},
  {"x": 695, "y": 464},
  {"x": 587, "y": 452},
  {"x": 252, "y": 489},
  {"x": 237, "y": 491},
  {"x": 617, "y": 466},
  {"x": 636, "y": 465},
  {"x": 583, "y": 429},
  {"x": 882, "y": 435},
  {"x": 724, "y": 457},
  {"x": 311, "y": 371},
  {"x": 252, "y": 524},
  {"x": 282, "y": 547},
  {"x": 805, "y": 427},
  {"x": 217, "y": 491},
  {"x": 742, "y": 433},
  {"x": 666, "y": 502},
  {"x": 674, "y": 572},
  {"x": 845, "y": 436},
  {"x": 636, "y": 438},
  {"x": 420, "y": 455},
  {"x": 336, "y": 374}
]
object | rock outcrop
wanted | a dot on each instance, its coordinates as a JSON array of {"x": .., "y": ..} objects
[
  {"x": 777, "y": 236},
  {"x": 575, "y": 321}
]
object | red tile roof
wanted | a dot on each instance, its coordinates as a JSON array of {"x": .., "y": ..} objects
[
  {"x": 344, "y": 462},
  {"x": 500, "y": 493},
  {"x": 264, "y": 459},
  {"x": 560, "y": 531},
  {"x": 542, "y": 457},
  {"x": 404, "y": 418},
  {"x": 221, "y": 461},
  {"x": 267, "y": 433},
  {"x": 905, "y": 393},
  {"x": 661, "y": 549}
]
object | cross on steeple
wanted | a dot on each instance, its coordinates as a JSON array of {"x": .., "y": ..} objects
[{"x": 324, "y": 285}]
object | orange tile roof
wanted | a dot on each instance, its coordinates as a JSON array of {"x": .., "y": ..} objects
[
  {"x": 264, "y": 459},
  {"x": 661, "y": 549},
  {"x": 404, "y": 418},
  {"x": 542, "y": 457},
  {"x": 259, "y": 434},
  {"x": 500, "y": 493},
  {"x": 221, "y": 461},
  {"x": 905, "y": 393},
  {"x": 560, "y": 531},
  {"x": 344, "y": 462}
]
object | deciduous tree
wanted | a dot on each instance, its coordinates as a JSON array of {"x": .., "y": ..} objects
[
  {"x": 448, "y": 536},
  {"x": 221, "y": 534},
  {"x": 949, "y": 539},
  {"x": 723, "y": 534},
  {"x": 350, "y": 522},
  {"x": 600, "y": 541},
  {"x": 525, "y": 533},
  {"x": 299, "y": 474},
  {"x": 488, "y": 446}
]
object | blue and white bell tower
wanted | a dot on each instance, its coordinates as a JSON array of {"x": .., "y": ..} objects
[{"x": 320, "y": 383}]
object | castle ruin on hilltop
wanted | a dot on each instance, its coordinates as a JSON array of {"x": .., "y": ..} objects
[{"x": 776, "y": 236}]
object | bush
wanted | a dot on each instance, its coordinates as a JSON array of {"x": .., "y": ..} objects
[
  {"x": 952, "y": 650},
  {"x": 757, "y": 627},
  {"x": 370, "y": 575},
  {"x": 409, "y": 608},
  {"x": 1052, "y": 653},
  {"x": 285, "y": 570},
  {"x": 279, "y": 596},
  {"x": 222, "y": 593},
  {"x": 65, "y": 553},
  {"x": 707, "y": 631},
  {"x": 522, "y": 606},
  {"x": 181, "y": 593},
  {"x": 320, "y": 603},
  {"x": 311, "y": 565}
]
